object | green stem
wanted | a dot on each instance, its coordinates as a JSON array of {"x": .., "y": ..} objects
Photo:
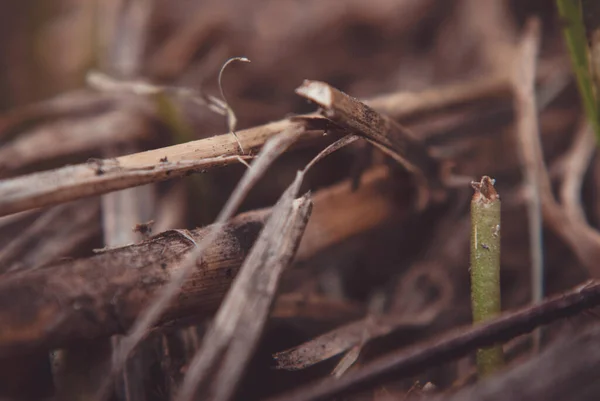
[
  {"x": 570, "y": 12},
  {"x": 485, "y": 266}
]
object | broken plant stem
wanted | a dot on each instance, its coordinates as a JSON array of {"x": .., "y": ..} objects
[{"x": 485, "y": 266}]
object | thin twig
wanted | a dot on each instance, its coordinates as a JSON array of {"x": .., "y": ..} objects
[
  {"x": 453, "y": 345},
  {"x": 563, "y": 371}
]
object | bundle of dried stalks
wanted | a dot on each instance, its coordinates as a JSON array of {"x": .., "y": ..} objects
[{"x": 350, "y": 270}]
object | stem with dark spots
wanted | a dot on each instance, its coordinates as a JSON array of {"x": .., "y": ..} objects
[{"x": 485, "y": 266}]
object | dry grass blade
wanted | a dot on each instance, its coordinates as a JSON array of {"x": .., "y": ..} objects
[
  {"x": 347, "y": 361},
  {"x": 344, "y": 141},
  {"x": 381, "y": 131},
  {"x": 105, "y": 83},
  {"x": 360, "y": 332},
  {"x": 75, "y": 136},
  {"x": 574, "y": 166},
  {"x": 64, "y": 105},
  {"x": 454, "y": 345},
  {"x": 410, "y": 104},
  {"x": 217, "y": 367},
  {"x": 343, "y": 339},
  {"x": 55, "y": 233},
  {"x": 153, "y": 313}
]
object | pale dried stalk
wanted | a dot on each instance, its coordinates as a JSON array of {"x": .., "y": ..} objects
[
  {"x": 408, "y": 104},
  {"x": 74, "y": 182},
  {"x": 74, "y": 136},
  {"x": 85, "y": 366},
  {"x": 102, "y": 176},
  {"x": 574, "y": 166},
  {"x": 527, "y": 129}
]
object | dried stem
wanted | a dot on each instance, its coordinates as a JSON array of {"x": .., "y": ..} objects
[
  {"x": 410, "y": 104},
  {"x": 101, "y": 176},
  {"x": 574, "y": 166},
  {"x": 383, "y": 132},
  {"x": 527, "y": 130}
]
